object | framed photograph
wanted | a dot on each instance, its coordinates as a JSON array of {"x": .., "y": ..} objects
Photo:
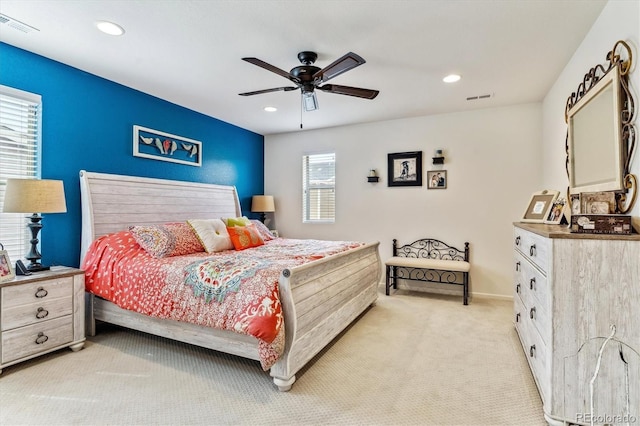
[
  {"x": 437, "y": 179},
  {"x": 156, "y": 145},
  {"x": 557, "y": 212},
  {"x": 405, "y": 169},
  {"x": 597, "y": 203},
  {"x": 539, "y": 206},
  {"x": 6, "y": 270}
]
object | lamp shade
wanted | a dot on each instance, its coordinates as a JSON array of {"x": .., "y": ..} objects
[
  {"x": 34, "y": 196},
  {"x": 262, "y": 203}
]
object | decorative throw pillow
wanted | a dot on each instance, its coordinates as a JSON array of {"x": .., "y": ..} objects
[
  {"x": 244, "y": 237},
  {"x": 262, "y": 230},
  {"x": 170, "y": 239},
  {"x": 236, "y": 221},
  {"x": 212, "y": 233}
]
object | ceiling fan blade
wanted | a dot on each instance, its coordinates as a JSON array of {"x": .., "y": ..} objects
[
  {"x": 339, "y": 66},
  {"x": 277, "y": 89},
  {"x": 351, "y": 91},
  {"x": 269, "y": 67}
]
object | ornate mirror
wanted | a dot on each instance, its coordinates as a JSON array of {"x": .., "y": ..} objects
[{"x": 600, "y": 131}]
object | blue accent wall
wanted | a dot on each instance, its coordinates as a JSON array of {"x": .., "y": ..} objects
[{"x": 87, "y": 124}]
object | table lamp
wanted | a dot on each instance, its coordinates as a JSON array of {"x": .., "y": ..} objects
[
  {"x": 262, "y": 204},
  {"x": 34, "y": 195}
]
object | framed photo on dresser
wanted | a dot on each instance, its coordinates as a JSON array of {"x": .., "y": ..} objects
[
  {"x": 540, "y": 206},
  {"x": 6, "y": 269}
]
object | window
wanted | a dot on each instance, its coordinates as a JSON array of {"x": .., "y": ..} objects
[
  {"x": 319, "y": 188},
  {"x": 19, "y": 144}
]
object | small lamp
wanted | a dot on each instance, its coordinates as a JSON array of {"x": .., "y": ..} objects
[
  {"x": 34, "y": 195},
  {"x": 262, "y": 204}
]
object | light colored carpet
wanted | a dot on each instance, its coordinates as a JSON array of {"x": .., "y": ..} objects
[{"x": 412, "y": 359}]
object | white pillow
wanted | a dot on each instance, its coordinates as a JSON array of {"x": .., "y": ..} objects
[{"x": 212, "y": 233}]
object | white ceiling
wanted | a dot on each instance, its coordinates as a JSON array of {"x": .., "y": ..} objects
[{"x": 189, "y": 52}]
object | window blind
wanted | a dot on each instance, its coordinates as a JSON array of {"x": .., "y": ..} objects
[
  {"x": 319, "y": 188},
  {"x": 19, "y": 142}
]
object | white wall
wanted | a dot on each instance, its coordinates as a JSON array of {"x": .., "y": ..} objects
[
  {"x": 619, "y": 20},
  {"x": 493, "y": 161}
]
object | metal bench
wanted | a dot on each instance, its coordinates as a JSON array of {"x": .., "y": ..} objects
[{"x": 429, "y": 260}]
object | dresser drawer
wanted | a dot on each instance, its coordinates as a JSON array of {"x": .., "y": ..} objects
[
  {"x": 32, "y": 313},
  {"x": 16, "y": 295},
  {"x": 36, "y": 338},
  {"x": 532, "y": 280},
  {"x": 534, "y": 247}
]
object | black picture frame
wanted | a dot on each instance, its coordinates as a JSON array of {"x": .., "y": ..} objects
[{"x": 404, "y": 168}]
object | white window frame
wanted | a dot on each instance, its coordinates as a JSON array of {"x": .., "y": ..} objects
[
  {"x": 20, "y": 147},
  {"x": 324, "y": 181}
]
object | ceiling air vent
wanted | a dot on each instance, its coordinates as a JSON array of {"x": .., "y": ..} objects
[
  {"x": 475, "y": 98},
  {"x": 15, "y": 24}
]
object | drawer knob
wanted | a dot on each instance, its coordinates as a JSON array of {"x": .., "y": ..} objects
[
  {"x": 518, "y": 317},
  {"x": 518, "y": 288},
  {"x": 532, "y": 283},
  {"x": 518, "y": 240},
  {"x": 517, "y": 266},
  {"x": 42, "y": 313},
  {"x": 41, "y": 338},
  {"x": 41, "y": 292},
  {"x": 532, "y": 351},
  {"x": 532, "y": 312},
  {"x": 532, "y": 250}
]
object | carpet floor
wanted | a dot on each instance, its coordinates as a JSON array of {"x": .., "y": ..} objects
[{"x": 412, "y": 359}]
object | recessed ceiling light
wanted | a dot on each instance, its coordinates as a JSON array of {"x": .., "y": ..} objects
[
  {"x": 451, "y": 78},
  {"x": 110, "y": 28},
  {"x": 270, "y": 109}
]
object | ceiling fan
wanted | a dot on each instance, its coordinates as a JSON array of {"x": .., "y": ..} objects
[{"x": 308, "y": 77}]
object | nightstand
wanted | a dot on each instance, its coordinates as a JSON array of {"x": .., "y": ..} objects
[{"x": 41, "y": 313}]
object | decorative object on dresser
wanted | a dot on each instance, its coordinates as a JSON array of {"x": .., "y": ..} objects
[
  {"x": 263, "y": 204},
  {"x": 157, "y": 145},
  {"x": 574, "y": 301},
  {"x": 540, "y": 206},
  {"x": 404, "y": 168},
  {"x": 437, "y": 179},
  {"x": 41, "y": 313},
  {"x": 429, "y": 260},
  {"x": 558, "y": 212},
  {"x": 34, "y": 196},
  {"x": 601, "y": 134}
]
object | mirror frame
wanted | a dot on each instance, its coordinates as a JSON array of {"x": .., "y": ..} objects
[{"x": 594, "y": 83}]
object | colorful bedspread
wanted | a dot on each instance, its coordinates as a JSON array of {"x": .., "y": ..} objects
[{"x": 230, "y": 290}]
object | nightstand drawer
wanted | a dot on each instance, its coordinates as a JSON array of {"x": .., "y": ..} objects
[
  {"x": 36, "y": 338},
  {"x": 20, "y": 315},
  {"x": 15, "y": 295}
]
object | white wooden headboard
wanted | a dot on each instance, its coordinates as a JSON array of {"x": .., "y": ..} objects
[{"x": 112, "y": 203}]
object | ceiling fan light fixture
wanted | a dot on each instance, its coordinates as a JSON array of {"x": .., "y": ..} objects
[
  {"x": 451, "y": 78},
  {"x": 310, "y": 101},
  {"x": 110, "y": 28}
]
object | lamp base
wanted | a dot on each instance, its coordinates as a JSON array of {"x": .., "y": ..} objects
[{"x": 37, "y": 267}]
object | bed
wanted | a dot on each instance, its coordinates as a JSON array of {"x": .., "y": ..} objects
[{"x": 319, "y": 298}]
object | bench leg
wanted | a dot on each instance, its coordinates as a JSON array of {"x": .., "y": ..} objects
[
  {"x": 388, "y": 280},
  {"x": 465, "y": 290}
]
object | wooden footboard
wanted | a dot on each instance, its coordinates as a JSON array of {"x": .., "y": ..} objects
[{"x": 319, "y": 300}]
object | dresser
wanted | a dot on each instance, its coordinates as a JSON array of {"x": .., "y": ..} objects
[
  {"x": 577, "y": 314},
  {"x": 41, "y": 313}
]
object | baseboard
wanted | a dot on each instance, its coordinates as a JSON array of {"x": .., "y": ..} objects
[
  {"x": 491, "y": 296},
  {"x": 453, "y": 290}
]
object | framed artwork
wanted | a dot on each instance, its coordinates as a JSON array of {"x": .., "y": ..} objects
[
  {"x": 156, "y": 145},
  {"x": 6, "y": 270},
  {"x": 575, "y": 204},
  {"x": 539, "y": 206},
  {"x": 437, "y": 179},
  {"x": 597, "y": 203},
  {"x": 556, "y": 212},
  {"x": 405, "y": 169}
]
